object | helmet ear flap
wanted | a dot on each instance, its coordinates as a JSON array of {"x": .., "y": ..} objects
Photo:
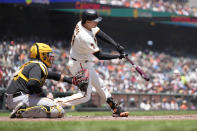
[
  {"x": 33, "y": 51},
  {"x": 38, "y": 53},
  {"x": 84, "y": 18}
]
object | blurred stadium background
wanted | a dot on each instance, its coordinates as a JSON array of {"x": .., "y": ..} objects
[{"x": 159, "y": 35}]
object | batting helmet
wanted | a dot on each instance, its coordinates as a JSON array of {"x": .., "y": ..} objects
[
  {"x": 91, "y": 15},
  {"x": 41, "y": 51}
]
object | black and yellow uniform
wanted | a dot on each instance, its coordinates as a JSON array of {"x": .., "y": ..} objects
[
  {"x": 31, "y": 77},
  {"x": 24, "y": 95}
]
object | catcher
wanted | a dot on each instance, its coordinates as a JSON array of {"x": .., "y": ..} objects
[{"x": 25, "y": 96}]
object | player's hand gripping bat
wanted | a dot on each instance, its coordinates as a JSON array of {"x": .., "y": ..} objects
[{"x": 138, "y": 69}]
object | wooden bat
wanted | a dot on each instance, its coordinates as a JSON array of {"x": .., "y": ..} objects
[{"x": 138, "y": 69}]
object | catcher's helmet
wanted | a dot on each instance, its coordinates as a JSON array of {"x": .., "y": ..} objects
[
  {"x": 91, "y": 15},
  {"x": 41, "y": 51}
]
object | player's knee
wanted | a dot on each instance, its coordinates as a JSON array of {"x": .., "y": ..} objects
[
  {"x": 87, "y": 97},
  {"x": 56, "y": 112}
]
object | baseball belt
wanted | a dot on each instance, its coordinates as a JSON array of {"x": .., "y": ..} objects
[
  {"x": 13, "y": 95},
  {"x": 85, "y": 61}
]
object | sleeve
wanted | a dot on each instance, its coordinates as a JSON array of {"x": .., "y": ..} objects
[
  {"x": 95, "y": 30},
  {"x": 54, "y": 76},
  {"x": 90, "y": 45},
  {"x": 105, "y": 56},
  {"x": 34, "y": 83},
  {"x": 35, "y": 73},
  {"x": 93, "y": 47},
  {"x": 104, "y": 37},
  {"x": 57, "y": 77}
]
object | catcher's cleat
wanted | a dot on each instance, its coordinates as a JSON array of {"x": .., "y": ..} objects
[{"x": 15, "y": 113}]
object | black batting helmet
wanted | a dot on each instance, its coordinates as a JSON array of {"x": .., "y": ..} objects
[{"x": 91, "y": 15}]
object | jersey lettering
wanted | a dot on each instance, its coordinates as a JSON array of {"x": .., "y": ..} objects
[
  {"x": 75, "y": 34},
  {"x": 93, "y": 46}
]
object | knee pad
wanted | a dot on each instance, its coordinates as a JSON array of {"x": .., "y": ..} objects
[
  {"x": 56, "y": 111},
  {"x": 42, "y": 112}
]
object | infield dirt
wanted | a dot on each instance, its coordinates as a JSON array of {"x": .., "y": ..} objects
[{"x": 108, "y": 118}]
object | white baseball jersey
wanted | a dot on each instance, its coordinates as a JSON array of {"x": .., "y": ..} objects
[{"x": 84, "y": 43}]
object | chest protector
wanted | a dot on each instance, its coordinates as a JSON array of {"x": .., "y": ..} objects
[{"x": 42, "y": 66}]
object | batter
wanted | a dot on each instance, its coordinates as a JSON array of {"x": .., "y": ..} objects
[{"x": 83, "y": 48}]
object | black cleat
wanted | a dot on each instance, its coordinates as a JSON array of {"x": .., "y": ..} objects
[
  {"x": 117, "y": 111},
  {"x": 121, "y": 114}
]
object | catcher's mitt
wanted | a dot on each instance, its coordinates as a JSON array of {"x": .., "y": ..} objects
[{"x": 81, "y": 80}]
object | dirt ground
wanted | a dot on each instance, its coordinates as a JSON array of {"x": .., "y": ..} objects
[{"x": 108, "y": 118}]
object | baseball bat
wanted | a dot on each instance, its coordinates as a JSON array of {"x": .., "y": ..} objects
[{"x": 138, "y": 69}]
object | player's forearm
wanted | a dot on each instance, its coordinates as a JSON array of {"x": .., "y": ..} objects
[
  {"x": 105, "y": 56},
  {"x": 104, "y": 37},
  {"x": 59, "y": 77}
]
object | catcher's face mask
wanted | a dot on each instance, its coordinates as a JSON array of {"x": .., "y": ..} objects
[
  {"x": 51, "y": 57},
  {"x": 43, "y": 52}
]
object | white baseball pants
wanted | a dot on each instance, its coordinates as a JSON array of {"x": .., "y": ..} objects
[
  {"x": 94, "y": 81},
  {"x": 35, "y": 106}
]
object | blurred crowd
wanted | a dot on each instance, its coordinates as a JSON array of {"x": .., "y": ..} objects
[
  {"x": 173, "y": 103},
  {"x": 170, "y": 75},
  {"x": 180, "y": 7}
]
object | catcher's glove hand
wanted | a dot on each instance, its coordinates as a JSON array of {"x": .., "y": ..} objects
[{"x": 81, "y": 80}]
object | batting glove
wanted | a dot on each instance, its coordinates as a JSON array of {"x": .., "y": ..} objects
[{"x": 122, "y": 55}]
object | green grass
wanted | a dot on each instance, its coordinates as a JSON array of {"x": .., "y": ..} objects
[
  {"x": 170, "y": 125},
  {"x": 143, "y": 125}
]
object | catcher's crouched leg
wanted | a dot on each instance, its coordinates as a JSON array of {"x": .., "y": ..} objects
[{"x": 55, "y": 111}]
